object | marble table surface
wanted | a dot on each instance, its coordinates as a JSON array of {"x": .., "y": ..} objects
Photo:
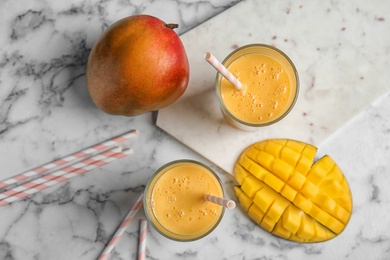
[{"x": 46, "y": 113}]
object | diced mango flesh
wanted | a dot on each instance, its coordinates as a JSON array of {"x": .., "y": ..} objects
[
  {"x": 240, "y": 174},
  {"x": 287, "y": 194},
  {"x": 256, "y": 213},
  {"x": 282, "y": 169},
  {"x": 251, "y": 185}
]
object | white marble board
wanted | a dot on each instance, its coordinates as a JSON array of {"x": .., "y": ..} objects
[{"x": 340, "y": 61}]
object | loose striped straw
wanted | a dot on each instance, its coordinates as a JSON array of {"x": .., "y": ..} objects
[
  {"x": 51, "y": 176},
  {"x": 142, "y": 239},
  {"x": 223, "y": 70},
  {"x": 8, "y": 183},
  {"x": 230, "y": 204},
  {"x": 67, "y": 173},
  {"x": 118, "y": 234}
]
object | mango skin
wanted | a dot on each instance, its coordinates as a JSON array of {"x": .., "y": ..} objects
[
  {"x": 289, "y": 195},
  {"x": 138, "y": 65}
]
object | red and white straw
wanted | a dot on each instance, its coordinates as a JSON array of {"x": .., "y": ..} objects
[
  {"x": 230, "y": 204},
  {"x": 51, "y": 176},
  {"x": 5, "y": 184},
  {"x": 118, "y": 234},
  {"x": 223, "y": 70},
  {"x": 63, "y": 175},
  {"x": 142, "y": 239}
]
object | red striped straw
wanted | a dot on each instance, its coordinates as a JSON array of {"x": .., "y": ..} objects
[
  {"x": 65, "y": 174},
  {"x": 230, "y": 204},
  {"x": 7, "y": 183},
  {"x": 142, "y": 239},
  {"x": 118, "y": 234},
  {"x": 223, "y": 70}
]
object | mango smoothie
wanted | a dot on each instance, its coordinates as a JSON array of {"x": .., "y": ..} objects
[
  {"x": 270, "y": 86},
  {"x": 174, "y": 200}
]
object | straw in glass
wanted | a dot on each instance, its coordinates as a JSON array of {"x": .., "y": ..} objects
[
  {"x": 230, "y": 204},
  {"x": 10, "y": 182},
  {"x": 67, "y": 173},
  {"x": 142, "y": 239},
  {"x": 118, "y": 234},
  {"x": 223, "y": 70}
]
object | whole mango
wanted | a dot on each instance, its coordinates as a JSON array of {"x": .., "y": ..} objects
[
  {"x": 138, "y": 65},
  {"x": 286, "y": 193}
]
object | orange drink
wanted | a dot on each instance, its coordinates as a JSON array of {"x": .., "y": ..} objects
[
  {"x": 270, "y": 86},
  {"x": 174, "y": 200}
]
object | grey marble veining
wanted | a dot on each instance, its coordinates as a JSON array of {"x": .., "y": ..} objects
[{"x": 46, "y": 113}]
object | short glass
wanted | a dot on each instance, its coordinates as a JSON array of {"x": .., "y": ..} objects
[
  {"x": 270, "y": 87},
  {"x": 174, "y": 200}
]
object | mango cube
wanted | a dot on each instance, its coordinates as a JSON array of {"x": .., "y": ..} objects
[
  {"x": 280, "y": 231},
  {"x": 303, "y": 203},
  {"x": 309, "y": 152},
  {"x": 274, "y": 182},
  {"x": 282, "y": 169},
  {"x": 266, "y": 160},
  {"x": 243, "y": 199},
  {"x": 304, "y": 165},
  {"x": 306, "y": 229},
  {"x": 309, "y": 190},
  {"x": 240, "y": 173},
  {"x": 292, "y": 218},
  {"x": 288, "y": 192},
  {"x": 268, "y": 223},
  {"x": 326, "y": 202},
  {"x": 264, "y": 198},
  {"x": 278, "y": 207},
  {"x": 256, "y": 214},
  {"x": 297, "y": 180},
  {"x": 260, "y": 172},
  {"x": 296, "y": 145},
  {"x": 251, "y": 185},
  {"x": 273, "y": 149},
  {"x": 290, "y": 156}
]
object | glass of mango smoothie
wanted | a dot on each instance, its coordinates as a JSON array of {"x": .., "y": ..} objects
[
  {"x": 174, "y": 200},
  {"x": 270, "y": 86}
]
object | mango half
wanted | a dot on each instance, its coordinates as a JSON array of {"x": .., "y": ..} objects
[{"x": 286, "y": 193}]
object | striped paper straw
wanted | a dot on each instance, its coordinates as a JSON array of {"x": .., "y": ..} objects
[
  {"x": 54, "y": 175},
  {"x": 5, "y": 184},
  {"x": 142, "y": 239},
  {"x": 223, "y": 70},
  {"x": 91, "y": 163},
  {"x": 118, "y": 234},
  {"x": 230, "y": 204}
]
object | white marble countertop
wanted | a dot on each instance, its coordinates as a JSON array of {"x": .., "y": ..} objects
[{"x": 46, "y": 113}]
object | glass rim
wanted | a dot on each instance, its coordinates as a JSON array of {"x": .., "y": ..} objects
[
  {"x": 295, "y": 72},
  {"x": 182, "y": 237}
]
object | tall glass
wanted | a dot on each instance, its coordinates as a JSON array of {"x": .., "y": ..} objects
[
  {"x": 270, "y": 87},
  {"x": 174, "y": 200}
]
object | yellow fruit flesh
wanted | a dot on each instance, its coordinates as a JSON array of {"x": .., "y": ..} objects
[{"x": 287, "y": 194}]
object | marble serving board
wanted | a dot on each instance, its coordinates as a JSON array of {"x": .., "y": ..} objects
[{"x": 341, "y": 63}]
